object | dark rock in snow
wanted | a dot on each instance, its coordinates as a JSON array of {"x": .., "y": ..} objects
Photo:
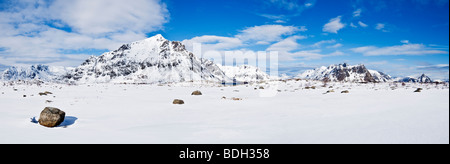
[
  {"x": 51, "y": 117},
  {"x": 177, "y": 101},
  {"x": 196, "y": 93}
]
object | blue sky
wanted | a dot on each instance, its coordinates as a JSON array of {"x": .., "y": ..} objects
[{"x": 401, "y": 37}]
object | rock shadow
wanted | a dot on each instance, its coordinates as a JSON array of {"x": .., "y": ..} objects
[{"x": 68, "y": 121}]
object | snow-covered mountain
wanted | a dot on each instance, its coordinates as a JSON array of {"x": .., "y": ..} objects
[
  {"x": 153, "y": 60},
  {"x": 34, "y": 72},
  {"x": 424, "y": 79},
  {"x": 345, "y": 73},
  {"x": 245, "y": 73},
  {"x": 421, "y": 79}
]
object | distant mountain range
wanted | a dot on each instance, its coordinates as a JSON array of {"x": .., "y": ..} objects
[
  {"x": 345, "y": 73},
  {"x": 158, "y": 60},
  {"x": 421, "y": 79},
  {"x": 34, "y": 72},
  {"x": 153, "y": 60}
]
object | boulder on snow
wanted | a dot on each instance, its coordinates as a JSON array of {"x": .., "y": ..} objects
[
  {"x": 196, "y": 93},
  {"x": 51, "y": 117},
  {"x": 419, "y": 90},
  {"x": 177, "y": 101},
  {"x": 329, "y": 91},
  {"x": 236, "y": 99},
  {"x": 346, "y": 91}
]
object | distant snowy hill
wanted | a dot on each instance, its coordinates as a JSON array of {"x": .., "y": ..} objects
[
  {"x": 245, "y": 73},
  {"x": 345, "y": 73},
  {"x": 153, "y": 60},
  {"x": 34, "y": 72},
  {"x": 421, "y": 79}
]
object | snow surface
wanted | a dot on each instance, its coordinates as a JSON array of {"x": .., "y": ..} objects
[{"x": 108, "y": 113}]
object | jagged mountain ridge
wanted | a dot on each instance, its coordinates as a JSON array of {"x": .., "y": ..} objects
[
  {"x": 34, "y": 72},
  {"x": 345, "y": 73},
  {"x": 153, "y": 60},
  {"x": 421, "y": 79}
]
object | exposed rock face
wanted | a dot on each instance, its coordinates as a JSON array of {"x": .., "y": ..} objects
[{"x": 51, "y": 117}]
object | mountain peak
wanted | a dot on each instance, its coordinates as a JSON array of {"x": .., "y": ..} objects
[
  {"x": 153, "y": 60},
  {"x": 158, "y": 37}
]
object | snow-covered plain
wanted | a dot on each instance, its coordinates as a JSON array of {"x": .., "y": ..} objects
[{"x": 109, "y": 113}]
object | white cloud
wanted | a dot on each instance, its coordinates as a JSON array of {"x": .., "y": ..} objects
[
  {"x": 280, "y": 21},
  {"x": 406, "y": 49},
  {"x": 405, "y": 41},
  {"x": 252, "y": 36},
  {"x": 288, "y": 44},
  {"x": 353, "y": 25},
  {"x": 363, "y": 24},
  {"x": 268, "y": 33},
  {"x": 320, "y": 43},
  {"x": 292, "y": 4},
  {"x": 380, "y": 26},
  {"x": 211, "y": 42},
  {"x": 315, "y": 54},
  {"x": 106, "y": 16},
  {"x": 290, "y": 50},
  {"x": 287, "y": 4},
  {"x": 338, "y": 45},
  {"x": 36, "y": 31},
  {"x": 357, "y": 13},
  {"x": 334, "y": 25}
]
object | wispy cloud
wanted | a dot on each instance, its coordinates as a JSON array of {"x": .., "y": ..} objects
[
  {"x": 384, "y": 27},
  {"x": 268, "y": 33},
  {"x": 362, "y": 24},
  {"x": 405, "y": 49},
  {"x": 334, "y": 25},
  {"x": 320, "y": 43},
  {"x": 293, "y": 4},
  {"x": 251, "y": 36},
  {"x": 434, "y": 67},
  {"x": 357, "y": 13}
]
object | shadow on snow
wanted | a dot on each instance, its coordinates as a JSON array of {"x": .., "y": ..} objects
[{"x": 68, "y": 121}]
